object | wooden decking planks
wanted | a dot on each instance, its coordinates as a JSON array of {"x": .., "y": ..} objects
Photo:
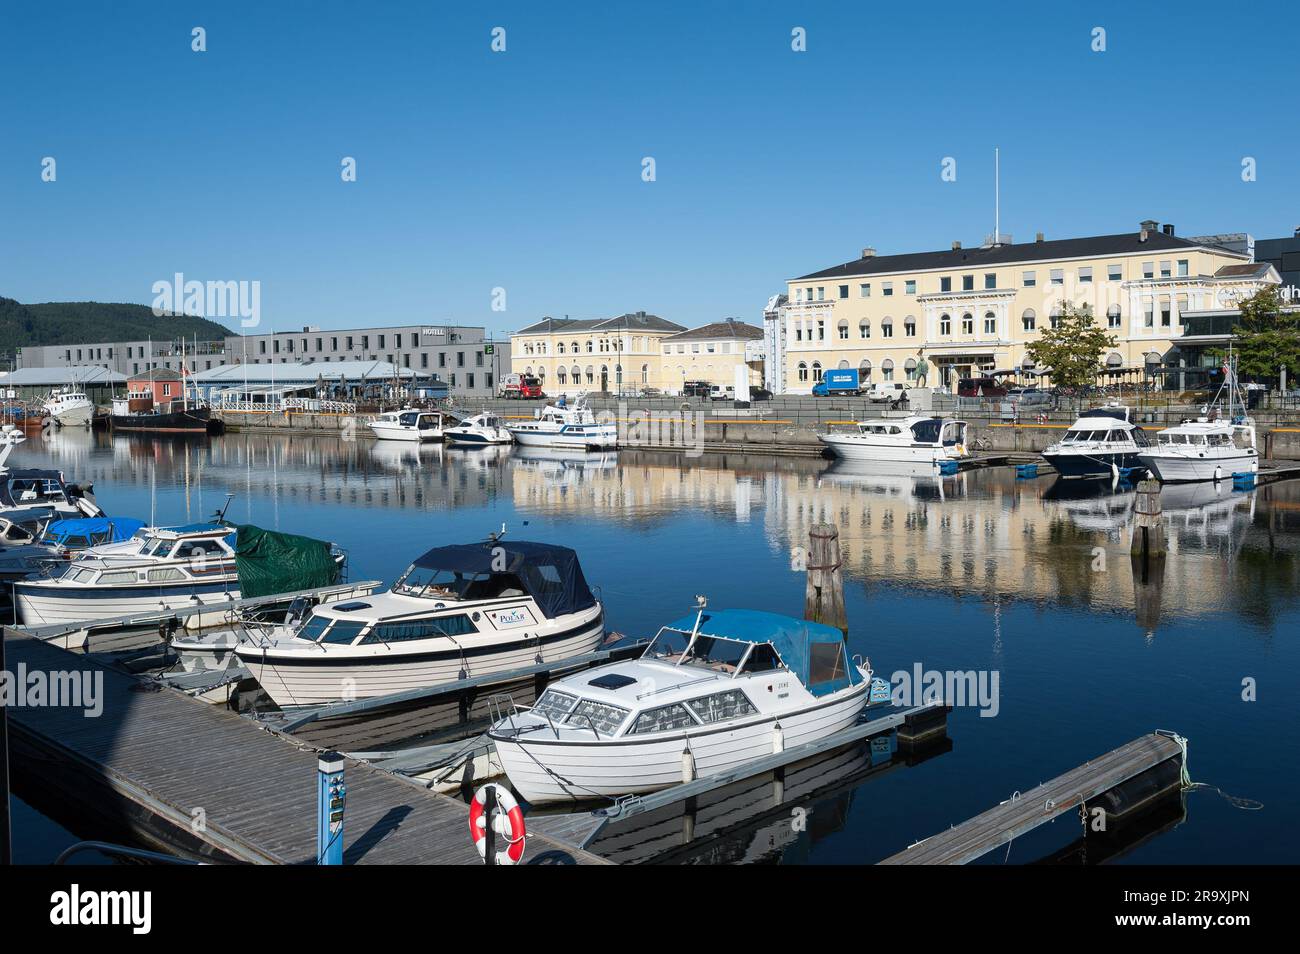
[
  {"x": 174, "y": 755},
  {"x": 997, "y": 826}
]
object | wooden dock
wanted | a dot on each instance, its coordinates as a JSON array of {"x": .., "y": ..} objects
[
  {"x": 997, "y": 826},
  {"x": 156, "y": 762}
]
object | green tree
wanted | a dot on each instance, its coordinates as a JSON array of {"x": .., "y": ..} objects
[
  {"x": 1266, "y": 336},
  {"x": 1072, "y": 349}
]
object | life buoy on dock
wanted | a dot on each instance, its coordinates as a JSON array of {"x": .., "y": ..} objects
[{"x": 508, "y": 824}]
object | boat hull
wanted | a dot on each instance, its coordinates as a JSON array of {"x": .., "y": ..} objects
[
  {"x": 39, "y": 604},
  {"x": 603, "y": 437},
  {"x": 74, "y": 416},
  {"x": 853, "y": 447},
  {"x": 474, "y": 438},
  {"x": 317, "y": 680},
  {"x": 409, "y": 434},
  {"x": 196, "y": 421},
  {"x": 609, "y": 769},
  {"x": 1092, "y": 465},
  {"x": 1179, "y": 469}
]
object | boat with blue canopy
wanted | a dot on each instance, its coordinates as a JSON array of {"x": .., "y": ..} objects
[{"x": 712, "y": 690}]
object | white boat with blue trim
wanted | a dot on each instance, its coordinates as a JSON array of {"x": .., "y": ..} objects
[
  {"x": 922, "y": 440},
  {"x": 566, "y": 425},
  {"x": 459, "y": 612},
  {"x": 485, "y": 428},
  {"x": 713, "y": 690}
]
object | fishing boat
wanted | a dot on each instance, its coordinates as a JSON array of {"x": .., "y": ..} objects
[
  {"x": 458, "y": 612},
  {"x": 566, "y": 425},
  {"x": 1103, "y": 442},
  {"x": 409, "y": 424},
  {"x": 138, "y": 414},
  {"x": 70, "y": 407},
  {"x": 485, "y": 428},
  {"x": 915, "y": 439},
  {"x": 713, "y": 690}
]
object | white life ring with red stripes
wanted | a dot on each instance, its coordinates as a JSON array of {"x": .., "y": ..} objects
[{"x": 508, "y": 825}]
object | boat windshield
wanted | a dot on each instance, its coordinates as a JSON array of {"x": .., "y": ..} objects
[
  {"x": 669, "y": 645},
  {"x": 719, "y": 655},
  {"x": 440, "y": 584},
  {"x": 927, "y": 432}
]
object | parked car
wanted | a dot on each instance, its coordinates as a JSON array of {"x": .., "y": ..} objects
[
  {"x": 696, "y": 389},
  {"x": 838, "y": 381},
  {"x": 977, "y": 387},
  {"x": 882, "y": 391},
  {"x": 719, "y": 392}
]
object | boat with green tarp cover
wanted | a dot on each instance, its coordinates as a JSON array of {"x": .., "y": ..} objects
[{"x": 270, "y": 562}]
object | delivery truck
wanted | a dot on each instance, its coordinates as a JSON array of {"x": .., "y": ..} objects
[{"x": 838, "y": 381}]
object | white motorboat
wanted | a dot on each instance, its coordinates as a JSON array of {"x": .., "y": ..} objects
[
  {"x": 39, "y": 489},
  {"x": 409, "y": 424},
  {"x": 566, "y": 425},
  {"x": 485, "y": 428},
  {"x": 70, "y": 407},
  {"x": 1202, "y": 450},
  {"x": 1101, "y": 443},
  {"x": 714, "y": 688},
  {"x": 458, "y": 612},
  {"x": 157, "y": 569},
  {"x": 35, "y": 541},
  {"x": 916, "y": 439}
]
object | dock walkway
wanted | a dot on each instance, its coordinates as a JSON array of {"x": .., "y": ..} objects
[{"x": 157, "y": 760}]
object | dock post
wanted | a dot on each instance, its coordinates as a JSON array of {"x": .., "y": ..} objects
[
  {"x": 5, "y": 843},
  {"x": 1148, "y": 525},
  {"x": 331, "y": 796},
  {"x": 824, "y": 593}
]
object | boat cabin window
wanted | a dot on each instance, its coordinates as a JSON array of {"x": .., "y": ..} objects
[
  {"x": 554, "y": 704},
  {"x": 117, "y": 578},
  {"x": 825, "y": 663},
  {"x": 603, "y": 718},
  {"x": 668, "y": 645},
  {"x": 722, "y": 706},
  {"x": 18, "y": 533},
  {"x": 343, "y": 632},
  {"x": 312, "y": 627},
  {"x": 720, "y": 655},
  {"x": 166, "y": 574},
  {"x": 159, "y": 548},
  {"x": 763, "y": 658},
  {"x": 662, "y": 719},
  {"x": 76, "y": 574},
  {"x": 440, "y": 627},
  {"x": 927, "y": 432},
  {"x": 196, "y": 548}
]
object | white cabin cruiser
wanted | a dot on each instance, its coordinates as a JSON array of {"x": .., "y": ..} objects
[
  {"x": 485, "y": 428},
  {"x": 70, "y": 407},
  {"x": 915, "y": 439},
  {"x": 720, "y": 687},
  {"x": 458, "y": 612},
  {"x": 39, "y": 489},
  {"x": 566, "y": 425},
  {"x": 1202, "y": 450},
  {"x": 1101, "y": 443},
  {"x": 409, "y": 424},
  {"x": 158, "y": 569}
]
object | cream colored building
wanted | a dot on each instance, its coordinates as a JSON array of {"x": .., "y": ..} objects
[
  {"x": 633, "y": 352},
  {"x": 930, "y": 318}
]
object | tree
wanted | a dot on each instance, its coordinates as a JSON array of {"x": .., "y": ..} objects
[
  {"x": 1073, "y": 348},
  {"x": 1266, "y": 336}
]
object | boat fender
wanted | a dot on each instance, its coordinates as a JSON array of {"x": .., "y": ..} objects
[
  {"x": 507, "y": 822},
  {"x": 1218, "y": 473},
  {"x": 778, "y": 739},
  {"x": 688, "y": 765}
]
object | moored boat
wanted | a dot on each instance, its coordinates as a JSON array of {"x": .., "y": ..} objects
[
  {"x": 70, "y": 407},
  {"x": 719, "y": 688},
  {"x": 1202, "y": 450},
  {"x": 409, "y": 424},
  {"x": 566, "y": 425},
  {"x": 914, "y": 439},
  {"x": 1103, "y": 442},
  {"x": 485, "y": 428}
]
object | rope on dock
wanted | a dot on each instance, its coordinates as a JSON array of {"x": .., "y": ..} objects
[{"x": 1185, "y": 778}]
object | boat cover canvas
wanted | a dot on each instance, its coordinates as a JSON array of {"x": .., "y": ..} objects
[
  {"x": 551, "y": 574},
  {"x": 814, "y": 652},
  {"x": 99, "y": 529},
  {"x": 268, "y": 562}
]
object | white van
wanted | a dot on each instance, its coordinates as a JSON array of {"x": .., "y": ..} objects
[
  {"x": 882, "y": 391},
  {"x": 720, "y": 393}
]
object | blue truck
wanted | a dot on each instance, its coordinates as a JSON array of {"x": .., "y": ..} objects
[{"x": 838, "y": 381}]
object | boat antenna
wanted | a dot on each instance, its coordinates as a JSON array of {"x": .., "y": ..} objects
[
  {"x": 220, "y": 515},
  {"x": 495, "y": 535}
]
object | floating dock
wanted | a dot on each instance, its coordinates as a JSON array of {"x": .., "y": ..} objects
[
  {"x": 1066, "y": 793},
  {"x": 183, "y": 775}
]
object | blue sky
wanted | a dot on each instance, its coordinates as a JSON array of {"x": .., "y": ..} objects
[{"x": 522, "y": 169}]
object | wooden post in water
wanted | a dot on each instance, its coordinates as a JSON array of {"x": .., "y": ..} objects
[
  {"x": 824, "y": 596},
  {"x": 5, "y": 846},
  {"x": 1148, "y": 524}
]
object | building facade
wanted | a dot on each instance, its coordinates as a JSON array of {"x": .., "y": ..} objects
[
  {"x": 569, "y": 355},
  {"x": 712, "y": 353},
  {"x": 931, "y": 318}
]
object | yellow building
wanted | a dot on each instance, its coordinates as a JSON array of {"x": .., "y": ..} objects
[
  {"x": 632, "y": 353},
  {"x": 930, "y": 318}
]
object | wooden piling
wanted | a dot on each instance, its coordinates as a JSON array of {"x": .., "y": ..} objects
[
  {"x": 1148, "y": 524},
  {"x": 824, "y": 594}
]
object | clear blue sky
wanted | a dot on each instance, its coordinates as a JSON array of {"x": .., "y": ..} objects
[{"x": 523, "y": 169}]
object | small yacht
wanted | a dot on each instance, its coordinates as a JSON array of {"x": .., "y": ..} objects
[
  {"x": 458, "y": 612},
  {"x": 409, "y": 424},
  {"x": 46, "y": 541},
  {"x": 915, "y": 439},
  {"x": 70, "y": 406},
  {"x": 566, "y": 425},
  {"x": 46, "y": 490},
  {"x": 1101, "y": 443},
  {"x": 485, "y": 428},
  {"x": 717, "y": 688},
  {"x": 1202, "y": 450},
  {"x": 157, "y": 569}
]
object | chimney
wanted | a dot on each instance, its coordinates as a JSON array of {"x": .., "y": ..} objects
[
  {"x": 1038, "y": 237},
  {"x": 956, "y": 246},
  {"x": 868, "y": 252},
  {"x": 1148, "y": 225},
  {"x": 1168, "y": 228},
  {"x": 1142, "y": 236}
]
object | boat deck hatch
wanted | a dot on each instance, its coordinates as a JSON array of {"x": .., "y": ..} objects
[
  {"x": 349, "y": 607},
  {"x": 612, "y": 680}
]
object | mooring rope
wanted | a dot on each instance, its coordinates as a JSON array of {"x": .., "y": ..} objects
[{"x": 1185, "y": 778}]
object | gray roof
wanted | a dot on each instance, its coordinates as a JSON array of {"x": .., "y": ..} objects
[
  {"x": 1244, "y": 270},
  {"x": 304, "y": 373},
  {"x": 73, "y": 374},
  {"x": 720, "y": 329},
  {"x": 632, "y": 321},
  {"x": 1097, "y": 246}
]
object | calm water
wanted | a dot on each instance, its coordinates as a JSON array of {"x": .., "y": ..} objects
[{"x": 973, "y": 572}]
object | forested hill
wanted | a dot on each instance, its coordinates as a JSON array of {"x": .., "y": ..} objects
[{"x": 78, "y": 322}]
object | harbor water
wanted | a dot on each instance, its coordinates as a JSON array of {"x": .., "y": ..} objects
[{"x": 1027, "y": 584}]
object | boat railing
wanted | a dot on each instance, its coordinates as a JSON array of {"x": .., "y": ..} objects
[{"x": 680, "y": 685}]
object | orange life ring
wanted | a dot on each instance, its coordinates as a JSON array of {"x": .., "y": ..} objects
[{"x": 509, "y": 824}]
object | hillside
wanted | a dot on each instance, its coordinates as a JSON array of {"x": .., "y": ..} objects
[{"x": 77, "y": 322}]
